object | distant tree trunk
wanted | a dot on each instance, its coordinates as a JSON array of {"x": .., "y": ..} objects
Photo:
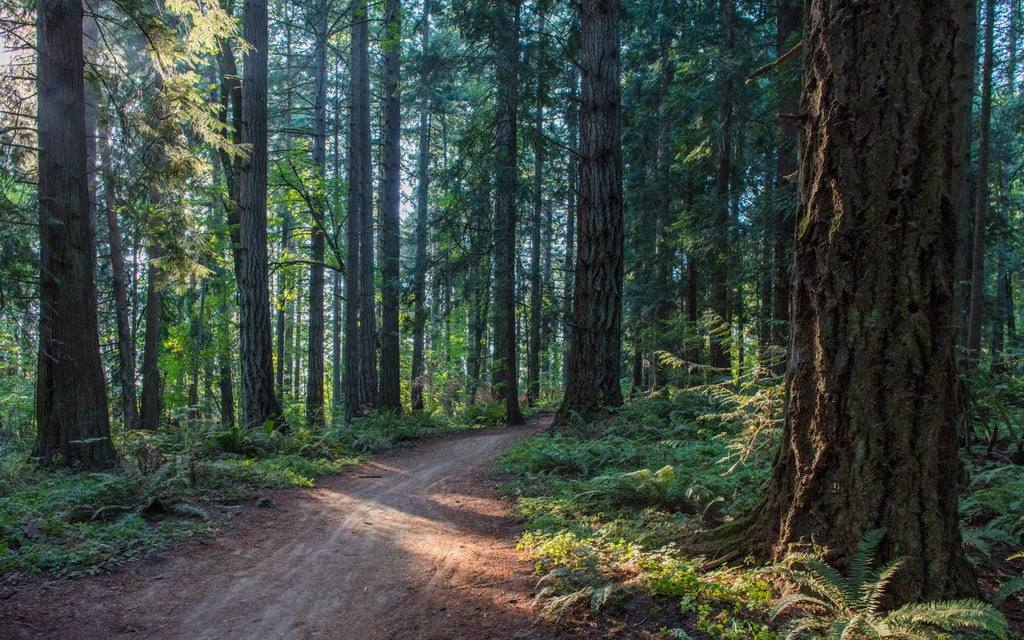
[
  {"x": 71, "y": 400},
  {"x": 536, "y": 293},
  {"x": 505, "y": 367},
  {"x": 423, "y": 185},
  {"x": 788, "y": 18},
  {"x": 151, "y": 382},
  {"x": 595, "y": 353},
  {"x": 481, "y": 293},
  {"x": 259, "y": 400},
  {"x": 315, "y": 381},
  {"x": 283, "y": 330},
  {"x": 720, "y": 275},
  {"x": 874, "y": 327},
  {"x": 390, "y": 397},
  {"x": 572, "y": 125},
  {"x": 662, "y": 250},
  {"x": 981, "y": 201},
  {"x": 197, "y": 359},
  {"x": 125, "y": 344},
  {"x": 231, "y": 113},
  {"x": 360, "y": 338}
]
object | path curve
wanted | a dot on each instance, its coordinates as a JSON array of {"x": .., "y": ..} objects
[{"x": 409, "y": 545}]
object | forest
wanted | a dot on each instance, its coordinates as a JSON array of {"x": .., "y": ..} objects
[{"x": 511, "y": 319}]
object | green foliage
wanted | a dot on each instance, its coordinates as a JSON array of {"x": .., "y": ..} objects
[
  {"x": 1012, "y": 586},
  {"x": 831, "y": 605},
  {"x": 607, "y": 504}
]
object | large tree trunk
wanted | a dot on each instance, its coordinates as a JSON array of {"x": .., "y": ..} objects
[
  {"x": 981, "y": 195},
  {"x": 720, "y": 275},
  {"x": 595, "y": 351},
  {"x": 787, "y": 24},
  {"x": 259, "y": 400},
  {"x": 505, "y": 370},
  {"x": 422, "y": 186},
  {"x": 73, "y": 427},
  {"x": 869, "y": 438},
  {"x": 390, "y": 204},
  {"x": 315, "y": 381}
]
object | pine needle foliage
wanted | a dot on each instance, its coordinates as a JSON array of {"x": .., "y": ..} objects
[{"x": 830, "y": 605}]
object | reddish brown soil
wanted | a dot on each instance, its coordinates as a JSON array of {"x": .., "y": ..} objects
[{"x": 411, "y": 545}]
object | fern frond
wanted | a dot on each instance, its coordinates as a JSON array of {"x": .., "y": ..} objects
[
  {"x": 951, "y": 615},
  {"x": 794, "y": 599},
  {"x": 870, "y": 597},
  {"x": 1009, "y": 588},
  {"x": 860, "y": 567}
]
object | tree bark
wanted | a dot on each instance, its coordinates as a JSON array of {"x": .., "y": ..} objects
[
  {"x": 505, "y": 370},
  {"x": 315, "y": 381},
  {"x": 391, "y": 287},
  {"x": 422, "y": 188},
  {"x": 73, "y": 427},
  {"x": 536, "y": 292},
  {"x": 595, "y": 353},
  {"x": 151, "y": 382},
  {"x": 569, "y": 266},
  {"x": 869, "y": 438},
  {"x": 259, "y": 400},
  {"x": 981, "y": 201},
  {"x": 360, "y": 332},
  {"x": 720, "y": 275}
]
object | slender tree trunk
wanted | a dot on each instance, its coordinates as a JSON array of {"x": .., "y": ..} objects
[
  {"x": 151, "y": 382},
  {"x": 125, "y": 345},
  {"x": 73, "y": 427},
  {"x": 569, "y": 266},
  {"x": 720, "y": 277},
  {"x": 981, "y": 201},
  {"x": 422, "y": 188},
  {"x": 505, "y": 367},
  {"x": 967, "y": 54},
  {"x": 787, "y": 25},
  {"x": 873, "y": 308},
  {"x": 259, "y": 401},
  {"x": 315, "y": 382},
  {"x": 390, "y": 360},
  {"x": 595, "y": 353},
  {"x": 662, "y": 250},
  {"x": 197, "y": 359},
  {"x": 536, "y": 293},
  {"x": 282, "y": 330}
]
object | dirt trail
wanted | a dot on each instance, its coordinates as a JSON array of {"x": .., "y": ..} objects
[{"x": 411, "y": 545}]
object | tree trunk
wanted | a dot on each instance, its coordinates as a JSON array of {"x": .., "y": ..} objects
[
  {"x": 390, "y": 355},
  {"x": 869, "y": 438},
  {"x": 572, "y": 125},
  {"x": 73, "y": 427},
  {"x": 125, "y": 344},
  {"x": 595, "y": 351},
  {"x": 536, "y": 293},
  {"x": 360, "y": 342},
  {"x": 720, "y": 276},
  {"x": 259, "y": 400},
  {"x": 423, "y": 184},
  {"x": 505, "y": 370},
  {"x": 151, "y": 383},
  {"x": 787, "y": 25},
  {"x": 981, "y": 201},
  {"x": 315, "y": 382}
]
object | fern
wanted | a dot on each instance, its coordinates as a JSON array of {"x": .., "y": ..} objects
[
  {"x": 832, "y": 605},
  {"x": 1013, "y": 585}
]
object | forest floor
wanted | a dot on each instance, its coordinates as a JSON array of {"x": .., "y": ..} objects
[{"x": 414, "y": 544}]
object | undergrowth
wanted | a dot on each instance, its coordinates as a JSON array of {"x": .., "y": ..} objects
[
  {"x": 612, "y": 510},
  {"x": 188, "y": 480}
]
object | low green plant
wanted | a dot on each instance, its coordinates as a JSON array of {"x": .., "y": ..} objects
[
  {"x": 1012, "y": 586},
  {"x": 830, "y": 605}
]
